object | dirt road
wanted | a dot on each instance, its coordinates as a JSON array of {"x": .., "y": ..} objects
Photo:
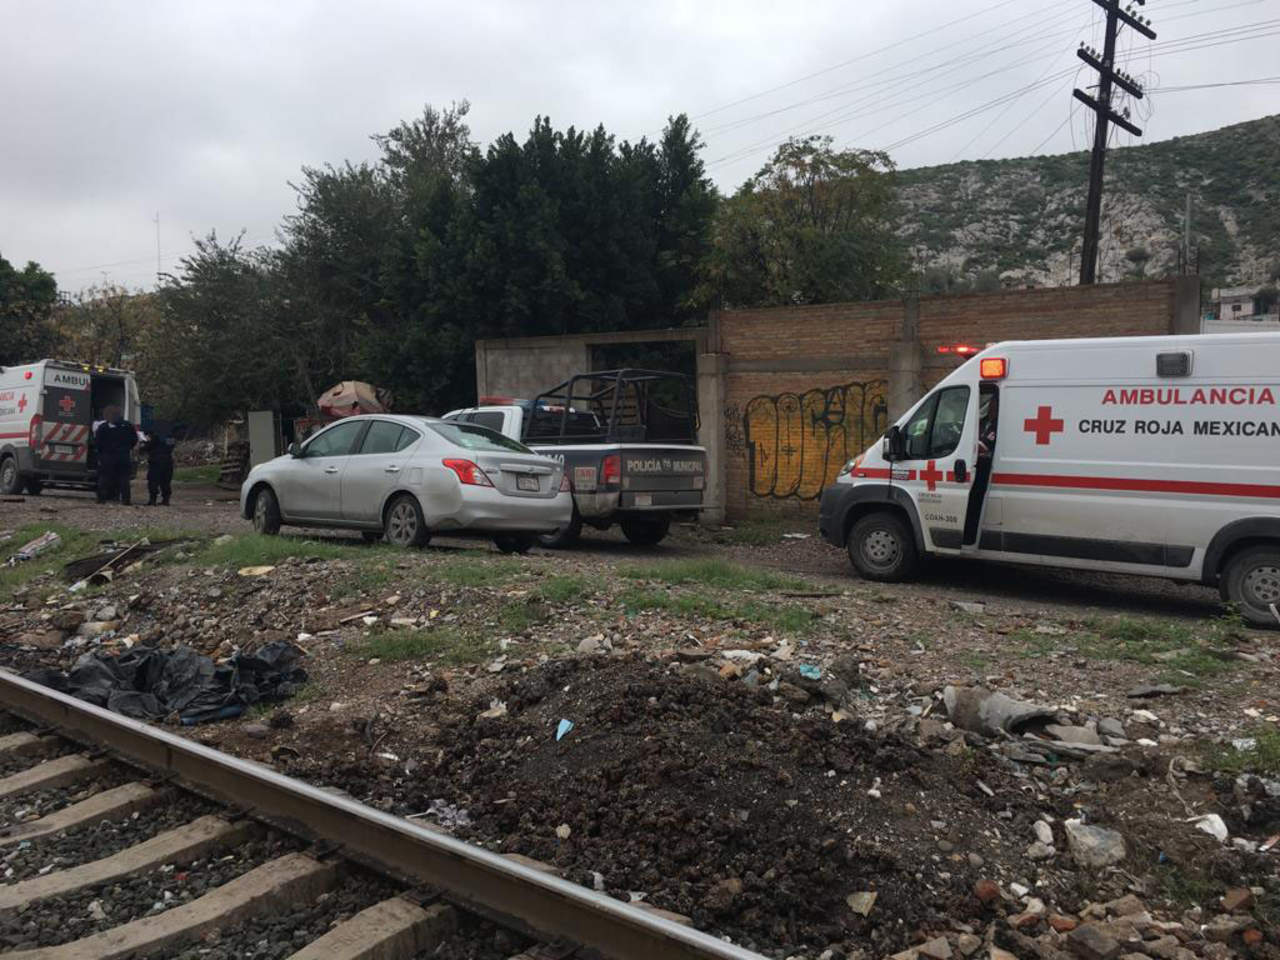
[{"x": 747, "y": 735}]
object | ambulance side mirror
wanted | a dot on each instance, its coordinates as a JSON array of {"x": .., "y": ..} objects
[{"x": 893, "y": 447}]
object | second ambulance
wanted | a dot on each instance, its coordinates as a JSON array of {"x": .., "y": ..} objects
[{"x": 1144, "y": 455}]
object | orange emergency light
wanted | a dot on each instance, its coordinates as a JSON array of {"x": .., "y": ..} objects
[{"x": 994, "y": 368}]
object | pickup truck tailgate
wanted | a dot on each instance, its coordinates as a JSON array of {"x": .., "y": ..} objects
[{"x": 657, "y": 477}]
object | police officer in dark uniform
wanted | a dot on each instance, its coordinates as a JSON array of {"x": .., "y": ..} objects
[
  {"x": 115, "y": 440},
  {"x": 159, "y": 450}
]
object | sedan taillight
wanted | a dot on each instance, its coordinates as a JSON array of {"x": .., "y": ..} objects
[
  {"x": 469, "y": 473},
  {"x": 564, "y": 483}
]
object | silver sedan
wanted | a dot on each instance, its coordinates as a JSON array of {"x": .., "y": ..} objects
[{"x": 405, "y": 478}]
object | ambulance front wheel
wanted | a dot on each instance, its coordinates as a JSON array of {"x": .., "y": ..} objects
[
  {"x": 881, "y": 548},
  {"x": 1251, "y": 584}
]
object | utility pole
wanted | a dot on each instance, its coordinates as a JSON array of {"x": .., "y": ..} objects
[
  {"x": 1107, "y": 76},
  {"x": 1186, "y": 237},
  {"x": 157, "y": 246}
]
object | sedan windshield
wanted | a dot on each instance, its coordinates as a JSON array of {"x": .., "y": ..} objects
[{"x": 472, "y": 436}]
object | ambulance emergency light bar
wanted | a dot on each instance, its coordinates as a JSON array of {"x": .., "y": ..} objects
[{"x": 991, "y": 368}]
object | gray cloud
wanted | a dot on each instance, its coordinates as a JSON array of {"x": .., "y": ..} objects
[{"x": 204, "y": 111}]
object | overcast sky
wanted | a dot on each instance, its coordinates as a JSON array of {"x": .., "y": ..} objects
[{"x": 114, "y": 110}]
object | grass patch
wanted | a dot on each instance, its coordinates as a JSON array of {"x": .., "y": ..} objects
[
  {"x": 1263, "y": 758},
  {"x": 565, "y": 589},
  {"x": 1183, "y": 651},
  {"x": 475, "y": 573},
  {"x": 206, "y": 474},
  {"x": 711, "y": 573},
  {"x": 447, "y": 644},
  {"x": 256, "y": 550},
  {"x": 783, "y": 618},
  {"x": 762, "y": 533},
  {"x": 75, "y": 544},
  {"x": 517, "y": 616}
]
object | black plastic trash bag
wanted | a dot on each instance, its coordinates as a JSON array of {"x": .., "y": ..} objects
[{"x": 150, "y": 684}]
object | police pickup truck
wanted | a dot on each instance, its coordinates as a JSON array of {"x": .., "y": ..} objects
[{"x": 628, "y": 442}]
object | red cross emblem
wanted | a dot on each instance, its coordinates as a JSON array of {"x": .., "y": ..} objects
[
  {"x": 931, "y": 475},
  {"x": 22, "y": 403},
  {"x": 67, "y": 404},
  {"x": 1043, "y": 425}
]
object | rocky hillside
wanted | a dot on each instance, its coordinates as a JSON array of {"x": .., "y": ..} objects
[{"x": 1023, "y": 218}]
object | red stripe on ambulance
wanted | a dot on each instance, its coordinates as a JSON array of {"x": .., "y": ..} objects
[{"x": 1137, "y": 485}]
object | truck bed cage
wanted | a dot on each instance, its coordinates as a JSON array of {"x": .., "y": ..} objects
[{"x": 616, "y": 406}]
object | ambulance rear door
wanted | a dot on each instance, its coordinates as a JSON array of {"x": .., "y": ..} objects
[{"x": 66, "y": 420}]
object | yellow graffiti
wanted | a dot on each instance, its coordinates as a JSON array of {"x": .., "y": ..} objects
[{"x": 796, "y": 443}]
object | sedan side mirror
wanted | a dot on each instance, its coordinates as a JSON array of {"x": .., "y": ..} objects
[
  {"x": 295, "y": 450},
  {"x": 893, "y": 447}
]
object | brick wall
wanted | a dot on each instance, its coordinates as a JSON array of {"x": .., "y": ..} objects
[{"x": 806, "y": 387}]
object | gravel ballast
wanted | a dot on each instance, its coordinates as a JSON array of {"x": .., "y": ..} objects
[
  {"x": 284, "y": 932},
  {"x": 39, "y": 803},
  {"x": 82, "y": 914},
  {"x": 17, "y": 762},
  {"x": 96, "y": 841}
]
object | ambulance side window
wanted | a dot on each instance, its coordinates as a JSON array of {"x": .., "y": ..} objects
[{"x": 935, "y": 429}]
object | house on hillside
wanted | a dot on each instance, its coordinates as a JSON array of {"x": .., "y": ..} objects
[{"x": 1240, "y": 303}]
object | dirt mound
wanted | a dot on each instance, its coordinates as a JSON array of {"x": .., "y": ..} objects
[{"x": 701, "y": 796}]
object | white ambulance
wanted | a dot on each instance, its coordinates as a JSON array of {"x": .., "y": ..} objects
[
  {"x": 1141, "y": 455},
  {"x": 47, "y": 412}
]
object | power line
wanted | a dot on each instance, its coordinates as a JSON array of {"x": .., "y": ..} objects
[
  {"x": 850, "y": 61},
  {"x": 844, "y": 113}
]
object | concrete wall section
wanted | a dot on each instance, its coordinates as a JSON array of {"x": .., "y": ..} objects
[{"x": 787, "y": 394}]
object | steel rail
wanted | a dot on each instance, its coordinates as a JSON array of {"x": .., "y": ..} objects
[{"x": 467, "y": 874}]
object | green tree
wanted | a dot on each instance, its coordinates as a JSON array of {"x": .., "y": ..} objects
[
  {"x": 27, "y": 300},
  {"x": 813, "y": 226},
  {"x": 101, "y": 325},
  {"x": 215, "y": 350}
]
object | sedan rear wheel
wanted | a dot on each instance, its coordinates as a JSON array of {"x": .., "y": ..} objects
[{"x": 404, "y": 525}]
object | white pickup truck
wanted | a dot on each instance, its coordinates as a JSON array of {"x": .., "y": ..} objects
[{"x": 628, "y": 442}]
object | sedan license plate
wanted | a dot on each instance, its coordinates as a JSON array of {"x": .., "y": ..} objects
[{"x": 527, "y": 481}]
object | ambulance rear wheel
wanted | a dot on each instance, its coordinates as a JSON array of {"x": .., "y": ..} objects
[
  {"x": 881, "y": 548},
  {"x": 10, "y": 478},
  {"x": 1251, "y": 584}
]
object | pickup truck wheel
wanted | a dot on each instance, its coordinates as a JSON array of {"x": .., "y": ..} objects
[
  {"x": 1251, "y": 584},
  {"x": 513, "y": 543},
  {"x": 405, "y": 526},
  {"x": 566, "y": 536},
  {"x": 646, "y": 531},
  {"x": 10, "y": 479},
  {"x": 266, "y": 512},
  {"x": 881, "y": 548}
]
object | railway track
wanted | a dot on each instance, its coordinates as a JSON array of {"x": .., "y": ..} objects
[{"x": 108, "y": 817}]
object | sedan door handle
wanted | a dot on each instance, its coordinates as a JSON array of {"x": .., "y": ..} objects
[
  {"x": 392, "y": 469},
  {"x": 330, "y": 469}
]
